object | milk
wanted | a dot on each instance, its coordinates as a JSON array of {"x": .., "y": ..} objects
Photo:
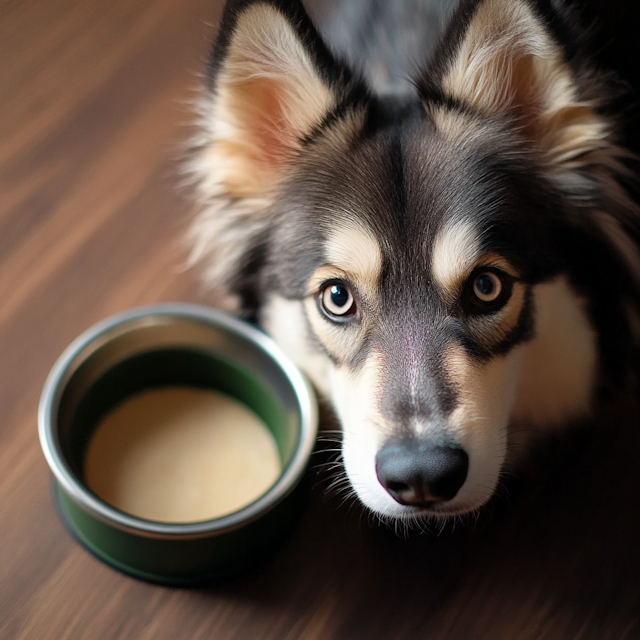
[{"x": 178, "y": 454}]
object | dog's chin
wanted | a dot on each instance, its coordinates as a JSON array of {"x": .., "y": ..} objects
[{"x": 387, "y": 509}]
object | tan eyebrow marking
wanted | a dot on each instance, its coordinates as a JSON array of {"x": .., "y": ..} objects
[
  {"x": 354, "y": 249},
  {"x": 455, "y": 253}
]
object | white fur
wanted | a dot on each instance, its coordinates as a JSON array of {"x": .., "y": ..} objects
[
  {"x": 480, "y": 421},
  {"x": 557, "y": 367},
  {"x": 285, "y": 321},
  {"x": 354, "y": 398}
]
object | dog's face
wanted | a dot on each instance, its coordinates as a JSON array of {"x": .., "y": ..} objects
[
  {"x": 428, "y": 261},
  {"x": 430, "y": 299}
]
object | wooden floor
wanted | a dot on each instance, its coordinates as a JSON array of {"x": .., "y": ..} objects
[{"x": 93, "y": 109}]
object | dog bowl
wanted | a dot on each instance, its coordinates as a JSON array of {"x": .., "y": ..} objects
[{"x": 187, "y": 346}]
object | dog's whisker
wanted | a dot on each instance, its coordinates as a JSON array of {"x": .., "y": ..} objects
[
  {"x": 327, "y": 466},
  {"x": 319, "y": 451},
  {"x": 337, "y": 485}
]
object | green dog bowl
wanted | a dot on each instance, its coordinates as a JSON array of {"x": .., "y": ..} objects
[{"x": 175, "y": 345}]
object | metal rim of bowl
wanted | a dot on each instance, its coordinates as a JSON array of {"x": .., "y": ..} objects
[{"x": 54, "y": 386}]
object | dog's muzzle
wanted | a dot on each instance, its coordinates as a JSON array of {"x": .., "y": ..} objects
[{"x": 417, "y": 473}]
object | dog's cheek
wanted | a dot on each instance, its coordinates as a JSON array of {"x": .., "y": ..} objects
[
  {"x": 558, "y": 373},
  {"x": 355, "y": 399},
  {"x": 353, "y": 396},
  {"x": 480, "y": 421},
  {"x": 284, "y": 320}
]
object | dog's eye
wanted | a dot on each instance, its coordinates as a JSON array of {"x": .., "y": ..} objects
[
  {"x": 487, "y": 287},
  {"x": 336, "y": 300},
  {"x": 486, "y": 291}
]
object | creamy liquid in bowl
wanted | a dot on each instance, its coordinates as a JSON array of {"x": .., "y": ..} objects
[{"x": 178, "y": 454}]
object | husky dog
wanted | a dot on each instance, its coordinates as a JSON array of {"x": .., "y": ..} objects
[{"x": 452, "y": 259}]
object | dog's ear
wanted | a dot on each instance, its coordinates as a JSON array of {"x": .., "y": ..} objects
[
  {"x": 272, "y": 83},
  {"x": 503, "y": 59}
]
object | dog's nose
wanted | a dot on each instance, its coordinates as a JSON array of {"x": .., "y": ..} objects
[{"x": 418, "y": 474}]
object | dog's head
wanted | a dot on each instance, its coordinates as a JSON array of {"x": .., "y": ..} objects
[{"x": 454, "y": 269}]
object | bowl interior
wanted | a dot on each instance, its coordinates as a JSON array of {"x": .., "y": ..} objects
[{"x": 166, "y": 350}]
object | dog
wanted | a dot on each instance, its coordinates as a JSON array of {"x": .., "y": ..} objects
[{"x": 451, "y": 255}]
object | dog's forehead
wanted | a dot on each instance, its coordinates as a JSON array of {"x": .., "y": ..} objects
[
  {"x": 419, "y": 198},
  {"x": 407, "y": 199}
]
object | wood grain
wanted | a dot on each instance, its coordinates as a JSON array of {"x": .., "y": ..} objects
[{"x": 93, "y": 112}]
